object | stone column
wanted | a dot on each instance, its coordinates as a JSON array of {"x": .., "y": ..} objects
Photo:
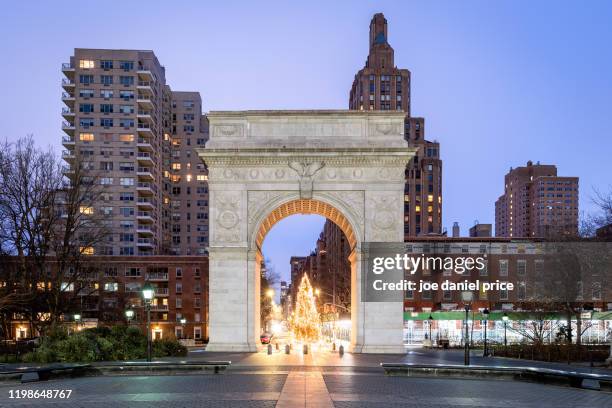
[{"x": 229, "y": 300}]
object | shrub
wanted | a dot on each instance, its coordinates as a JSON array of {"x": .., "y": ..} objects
[{"x": 100, "y": 344}]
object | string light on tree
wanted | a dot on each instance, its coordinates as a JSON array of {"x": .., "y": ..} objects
[{"x": 305, "y": 322}]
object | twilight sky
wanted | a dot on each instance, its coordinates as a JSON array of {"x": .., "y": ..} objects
[{"x": 499, "y": 83}]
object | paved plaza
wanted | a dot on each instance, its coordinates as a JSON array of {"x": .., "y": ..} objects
[
  {"x": 320, "y": 379},
  {"x": 289, "y": 389}
]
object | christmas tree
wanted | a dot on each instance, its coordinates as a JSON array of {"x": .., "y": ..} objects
[{"x": 305, "y": 323}]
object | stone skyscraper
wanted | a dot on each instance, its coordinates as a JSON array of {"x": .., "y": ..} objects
[{"x": 380, "y": 85}]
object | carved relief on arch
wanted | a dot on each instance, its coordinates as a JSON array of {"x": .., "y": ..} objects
[
  {"x": 385, "y": 216},
  {"x": 227, "y": 217}
]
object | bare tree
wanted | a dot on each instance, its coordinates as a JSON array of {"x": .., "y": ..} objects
[{"x": 49, "y": 225}]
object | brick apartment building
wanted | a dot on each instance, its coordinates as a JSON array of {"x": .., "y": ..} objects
[
  {"x": 537, "y": 203},
  {"x": 114, "y": 284},
  {"x": 520, "y": 261},
  {"x": 134, "y": 135},
  {"x": 380, "y": 85}
]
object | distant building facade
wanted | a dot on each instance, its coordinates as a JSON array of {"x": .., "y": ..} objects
[
  {"x": 481, "y": 230},
  {"x": 537, "y": 203},
  {"x": 114, "y": 284}
]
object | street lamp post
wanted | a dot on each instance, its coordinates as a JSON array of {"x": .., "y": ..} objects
[
  {"x": 505, "y": 319},
  {"x": 147, "y": 293},
  {"x": 430, "y": 320},
  {"x": 486, "y": 323},
  {"x": 467, "y": 297}
]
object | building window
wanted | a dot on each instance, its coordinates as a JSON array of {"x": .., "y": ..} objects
[
  {"x": 179, "y": 288},
  {"x": 179, "y": 302},
  {"x": 521, "y": 267},
  {"x": 111, "y": 287},
  {"x": 503, "y": 267},
  {"x": 126, "y": 181},
  {"x": 86, "y": 210},
  {"x": 86, "y": 137},
  {"x": 126, "y": 138},
  {"x": 86, "y": 64},
  {"x": 106, "y": 79},
  {"x": 106, "y": 64}
]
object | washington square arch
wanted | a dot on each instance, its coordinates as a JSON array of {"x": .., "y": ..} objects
[{"x": 263, "y": 166}]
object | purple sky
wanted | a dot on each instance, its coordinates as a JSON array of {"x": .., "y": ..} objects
[{"x": 499, "y": 83}]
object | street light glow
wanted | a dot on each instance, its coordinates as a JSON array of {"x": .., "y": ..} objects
[{"x": 148, "y": 291}]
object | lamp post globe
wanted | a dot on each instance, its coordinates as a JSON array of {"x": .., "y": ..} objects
[{"x": 147, "y": 293}]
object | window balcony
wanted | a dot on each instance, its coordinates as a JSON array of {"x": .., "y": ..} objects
[
  {"x": 145, "y": 117},
  {"x": 145, "y": 242},
  {"x": 159, "y": 308},
  {"x": 68, "y": 84},
  {"x": 144, "y": 229},
  {"x": 68, "y": 128},
  {"x": 162, "y": 292},
  {"x": 146, "y": 87},
  {"x": 68, "y": 155},
  {"x": 156, "y": 276},
  {"x": 145, "y": 74},
  {"x": 145, "y": 188},
  {"x": 146, "y": 203},
  {"x": 145, "y": 158},
  {"x": 68, "y": 99},
  {"x": 144, "y": 145},
  {"x": 68, "y": 141},
  {"x": 144, "y": 129},
  {"x": 144, "y": 101},
  {"x": 68, "y": 113},
  {"x": 144, "y": 173},
  {"x": 68, "y": 69},
  {"x": 145, "y": 216}
]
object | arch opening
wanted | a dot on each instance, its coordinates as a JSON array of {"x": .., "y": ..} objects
[{"x": 333, "y": 289}]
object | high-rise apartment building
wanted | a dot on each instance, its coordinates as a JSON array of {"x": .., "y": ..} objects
[
  {"x": 187, "y": 181},
  {"x": 134, "y": 136},
  {"x": 537, "y": 203},
  {"x": 380, "y": 85}
]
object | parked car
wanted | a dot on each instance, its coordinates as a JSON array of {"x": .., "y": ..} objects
[{"x": 266, "y": 338}]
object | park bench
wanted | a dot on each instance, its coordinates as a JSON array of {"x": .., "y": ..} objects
[{"x": 540, "y": 374}]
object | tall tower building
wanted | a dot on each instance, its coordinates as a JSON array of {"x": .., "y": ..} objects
[
  {"x": 119, "y": 125},
  {"x": 537, "y": 203},
  {"x": 380, "y": 85}
]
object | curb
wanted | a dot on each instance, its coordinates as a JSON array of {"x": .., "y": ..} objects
[{"x": 533, "y": 374}]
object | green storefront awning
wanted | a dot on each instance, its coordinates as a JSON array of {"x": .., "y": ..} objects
[{"x": 460, "y": 315}]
